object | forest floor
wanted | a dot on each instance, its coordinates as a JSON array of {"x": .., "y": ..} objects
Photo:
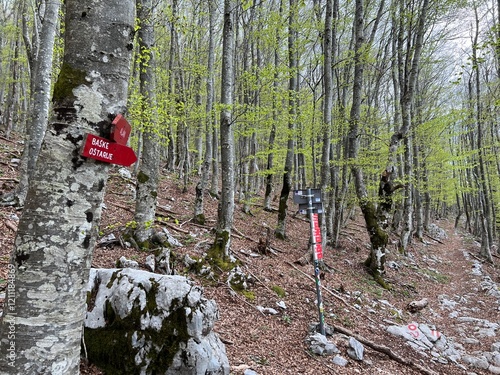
[{"x": 434, "y": 269}]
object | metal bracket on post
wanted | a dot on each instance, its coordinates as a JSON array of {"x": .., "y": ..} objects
[{"x": 309, "y": 202}]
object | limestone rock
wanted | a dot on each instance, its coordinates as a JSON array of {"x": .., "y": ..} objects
[{"x": 144, "y": 323}]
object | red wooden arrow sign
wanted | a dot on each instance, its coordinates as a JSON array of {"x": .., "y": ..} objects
[
  {"x": 102, "y": 149},
  {"x": 120, "y": 130}
]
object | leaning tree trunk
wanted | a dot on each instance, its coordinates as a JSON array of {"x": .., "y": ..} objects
[
  {"x": 57, "y": 233},
  {"x": 148, "y": 175}
]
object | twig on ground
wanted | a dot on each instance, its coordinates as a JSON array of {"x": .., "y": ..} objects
[
  {"x": 172, "y": 226},
  {"x": 7, "y": 139},
  {"x": 434, "y": 239},
  {"x": 9, "y": 179},
  {"x": 244, "y": 236},
  {"x": 11, "y": 226},
  {"x": 385, "y": 350},
  {"x": 262, "y": 283},
  {"x": 122, "y": 206},
  {"x": 333, "y": 294},
  {"x": 235, "y": 294}
]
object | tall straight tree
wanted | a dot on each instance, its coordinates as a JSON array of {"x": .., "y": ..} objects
[
  {"x": 293, "y": 88},
  {"x": 199, "y": 214},
  {"x": 378, "y": 238},
  {"x": 327, "y": 117},
  {"x": 222, "y": 242},
  {"x": 40, "y": 56},
  {"x": 484, "y": 192},
  {"x": 275, "y": 116},
  {"x": 407, "y": 81},
  {"x": 58, "y": 230},
  {"x": 148, "y": 174}
]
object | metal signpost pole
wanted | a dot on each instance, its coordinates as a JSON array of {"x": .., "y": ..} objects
[{"x": 317, "y": 253}]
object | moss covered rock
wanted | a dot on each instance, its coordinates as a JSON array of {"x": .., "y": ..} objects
[{"x": 145, "y": 323}]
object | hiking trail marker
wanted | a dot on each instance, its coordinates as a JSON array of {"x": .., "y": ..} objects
[
  {"x": 120, "y": 130},
  {"x": 114, "y": 151},
  {"x": 309, "y": 201}
]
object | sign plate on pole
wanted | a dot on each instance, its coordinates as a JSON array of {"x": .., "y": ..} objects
[
  {"x": 102, "y": 149},
  {"x": 318, "y": 249},
  {"x": 301, "y": 196},
  {"x": 309, "y": 201}
]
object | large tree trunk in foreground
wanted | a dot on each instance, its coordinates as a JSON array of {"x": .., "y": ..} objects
[{"x": 45, "y": 303}]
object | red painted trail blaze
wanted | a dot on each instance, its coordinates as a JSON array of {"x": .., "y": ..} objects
[{"x": 102, "y": 149}]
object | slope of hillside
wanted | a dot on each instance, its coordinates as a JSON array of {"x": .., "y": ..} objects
[{"x": 461, "y": 291}]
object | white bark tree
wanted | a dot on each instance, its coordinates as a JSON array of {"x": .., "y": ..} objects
[
  {"x": 222, "y": 242},
  {"x": 148, "y": 175},
  {"x": 41, "y": 58},
  {"x": 42, "y": 323}
]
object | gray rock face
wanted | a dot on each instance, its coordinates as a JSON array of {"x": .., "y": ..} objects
[
  {"x": 145, "y": 323},
  {"x": 356, "y": 350}
]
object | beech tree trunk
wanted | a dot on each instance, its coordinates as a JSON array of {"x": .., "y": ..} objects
[
  {"x": 272, "y": 132},
  {"x": 378, "y": 237},
  {"x": 41, "y": 76},
  {"x": 280, "y": 230},
  {"x": 45, "y": 303},
  {"x": 222, "y": 242},
  {"x": 148, "y": 175},
  {"x": 199, "y": 212},
  {"x": 327, "y": 121}
]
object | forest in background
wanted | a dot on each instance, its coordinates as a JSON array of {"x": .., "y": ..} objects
[{"x": 409, "y": 99}]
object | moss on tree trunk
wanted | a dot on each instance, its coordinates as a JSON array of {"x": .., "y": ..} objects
[{"x": 378, "y": 241}]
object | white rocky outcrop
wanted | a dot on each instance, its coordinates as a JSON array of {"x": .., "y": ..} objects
[{"x": 140, "y": 322}]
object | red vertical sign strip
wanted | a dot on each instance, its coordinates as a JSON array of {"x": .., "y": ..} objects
[{"x": 317, "y": 237}]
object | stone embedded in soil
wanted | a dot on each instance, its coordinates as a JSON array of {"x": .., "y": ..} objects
[{"x": 142, "y": 322}]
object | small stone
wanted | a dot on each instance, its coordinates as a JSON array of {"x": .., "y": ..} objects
[
  {"x": 339, "y": 361},
  {"x": 281, "y": 304},
  {"x": 494, "y": 369},
  {"x": 267, "y": 310},
  {"x": 250, "y": 372},
  {"x": 127, "y": 263},
  {"x": 476, "y": 362},
  {"x": 496, "y": 359},
  {"x": 150, "y": 263},
  {"x": 125, "y": 173},
  {"x": 162, "y": 260},
  {"x": 357, "y": 349}
]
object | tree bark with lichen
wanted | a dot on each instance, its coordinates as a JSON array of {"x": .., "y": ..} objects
[
  {"x": 58, "y": 230},
  {"x": 378, "y": 237},
  {"x": 222, "y": 243},
  {"x": 293, "y": 89},
  {"x": 148, "y": 174}
]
